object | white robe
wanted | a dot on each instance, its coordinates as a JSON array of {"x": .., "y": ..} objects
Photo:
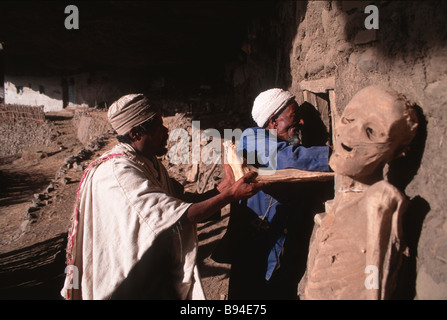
[{"x": 125, "y": 203}]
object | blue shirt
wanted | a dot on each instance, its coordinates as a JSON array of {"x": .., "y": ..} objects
[{"x": 261, "y": 148}]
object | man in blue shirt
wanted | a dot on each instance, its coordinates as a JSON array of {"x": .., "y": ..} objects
[{"x": 266, "y": 231}]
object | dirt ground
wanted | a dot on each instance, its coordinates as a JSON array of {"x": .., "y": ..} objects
[{"x": 37, "y": 194}]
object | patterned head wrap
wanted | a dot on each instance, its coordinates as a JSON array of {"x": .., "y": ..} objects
[{"x": 130, "y": 111}]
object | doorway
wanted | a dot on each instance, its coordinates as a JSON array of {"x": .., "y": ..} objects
[
  {"x": 317, "y": 107},
  {"x": 68, "y": 92}
]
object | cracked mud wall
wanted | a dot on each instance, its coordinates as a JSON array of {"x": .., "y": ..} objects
[{"x": 333, "y": 53}]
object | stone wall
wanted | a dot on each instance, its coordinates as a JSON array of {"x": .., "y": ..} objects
[
  {"x": 34, "y": 91},
  {"x": 333, "y": 55},
  {"x": 57, "y": 92}
]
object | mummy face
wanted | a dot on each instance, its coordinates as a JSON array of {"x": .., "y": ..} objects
[{"x": 371, "y": 130}]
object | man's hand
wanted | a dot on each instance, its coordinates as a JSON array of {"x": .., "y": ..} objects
[
  {"x": 242, "y": 189},
  {"x": 245, "y": 187}
]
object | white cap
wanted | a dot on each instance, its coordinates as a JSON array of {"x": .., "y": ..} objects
[{"x": 269, "y": 102}]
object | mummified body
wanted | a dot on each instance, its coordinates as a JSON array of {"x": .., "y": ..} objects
[{"x": 356, "y": 245}]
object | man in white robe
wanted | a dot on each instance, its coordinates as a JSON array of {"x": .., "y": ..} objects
[{"x": 132, "y": 236}]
